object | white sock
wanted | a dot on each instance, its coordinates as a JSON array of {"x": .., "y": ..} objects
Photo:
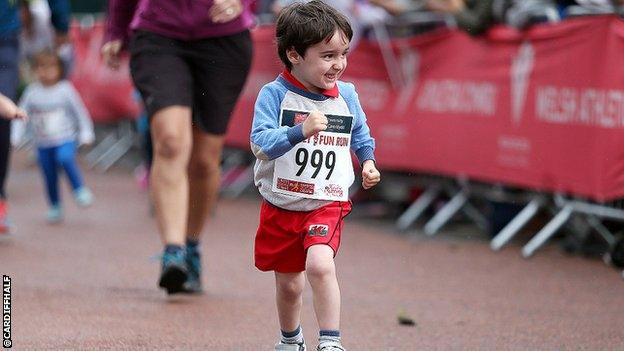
[{"x": 296, "y": 339}]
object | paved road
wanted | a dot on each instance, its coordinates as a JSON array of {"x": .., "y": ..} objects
[{"x": 90, "y": 284}]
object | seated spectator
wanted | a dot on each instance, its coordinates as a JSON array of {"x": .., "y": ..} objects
[
  {"x": 38, "y": 35},
  {"x": 521, "y": 14},
  {"x": 472, "y": 16},
  {"x": 476, "y": 16},
  {"x": 37, "y": 31},
  {"x": 593, "y": 7}
]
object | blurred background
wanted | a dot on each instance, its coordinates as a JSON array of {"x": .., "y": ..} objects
[{"x": 499, "y": 127}]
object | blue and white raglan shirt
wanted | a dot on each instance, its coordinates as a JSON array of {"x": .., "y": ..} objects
[{"x": 299, "y": 174}]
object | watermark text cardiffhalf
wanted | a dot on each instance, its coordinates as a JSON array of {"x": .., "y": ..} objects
[{"x": 6, "y": 312}]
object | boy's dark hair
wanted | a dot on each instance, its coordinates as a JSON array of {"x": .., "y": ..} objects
[
  {"x": 49, "y": 54},
  {"x": 302, "y": 25}
]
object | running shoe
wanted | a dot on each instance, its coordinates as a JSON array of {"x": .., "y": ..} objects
[
  {"x": 193, "y": 283},
  {"x": 174, "y": 272}
]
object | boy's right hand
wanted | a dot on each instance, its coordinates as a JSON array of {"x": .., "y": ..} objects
[{"x": 316, "y": 122}]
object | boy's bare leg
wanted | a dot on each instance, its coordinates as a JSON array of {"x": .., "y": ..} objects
[
  {"x": 321, "y": 273},
  {"x": 204, "y": 173},
  {"x": 289, "y": 297},
  {"x": 171, "y": 133}
]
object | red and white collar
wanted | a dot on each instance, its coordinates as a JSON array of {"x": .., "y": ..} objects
[{"x": 333, "y": 92}]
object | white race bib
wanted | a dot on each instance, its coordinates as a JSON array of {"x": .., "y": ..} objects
[
  {"x": 51, "y": 123},
  {"x": 319, "y": 167}
]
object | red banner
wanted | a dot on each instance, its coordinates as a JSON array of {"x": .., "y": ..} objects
[
  {"x": 542, "y": 109},
  {"x": 107, "y": 94}
]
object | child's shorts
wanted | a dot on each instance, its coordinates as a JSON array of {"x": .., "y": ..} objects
[{"x": 284, "y": 237}]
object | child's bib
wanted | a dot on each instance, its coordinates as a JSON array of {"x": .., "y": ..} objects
[{"x": 319, "y": 167}]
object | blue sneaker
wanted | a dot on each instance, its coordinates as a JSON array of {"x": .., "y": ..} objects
[
  {"x": 54, "y": 214},
  {"x": 174, "y": 271},
  {"x": 83, "y": 197},
  {"x": 193, "y": 264}
]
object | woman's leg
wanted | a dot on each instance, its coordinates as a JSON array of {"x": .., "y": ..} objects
[
  {"x": 171, "y": 134},
  {"x": 204, "y": 173}
]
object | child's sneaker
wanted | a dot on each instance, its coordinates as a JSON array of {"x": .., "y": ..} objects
[
  {"x": 5, "y": 224},
  {"x": 54, "y": 214},
  {"x": 193, "y": 265},
  {"x": 174, "y": 272},
  {"x": 329, "y": 343},
  {"x": 83, "y": 196},
  {"x": 280, "y": 346}
]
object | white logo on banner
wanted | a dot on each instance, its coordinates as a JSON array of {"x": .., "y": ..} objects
[
  {"x": 521, "y": 69},
  {"x": 410, "y": 68}
]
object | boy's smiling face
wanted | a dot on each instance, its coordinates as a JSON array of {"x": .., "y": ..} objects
[{"x": 322, "y": 64}]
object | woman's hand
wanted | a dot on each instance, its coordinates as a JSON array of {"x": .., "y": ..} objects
[
  {"x": 225, "y": 10},
  {"x": 110, "y": 53}
]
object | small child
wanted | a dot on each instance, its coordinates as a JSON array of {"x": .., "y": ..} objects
[
  {"x": 305, "y": 124},
  {"x": 58, "y": 120}
]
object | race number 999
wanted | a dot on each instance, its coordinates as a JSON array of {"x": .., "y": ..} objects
[{"x": 317, "y": 160}]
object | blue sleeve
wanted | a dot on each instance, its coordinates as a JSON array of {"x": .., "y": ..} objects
[
  {"x": 268, "y": 140},
  {"x": 60, "y": 11},
  {"x": 361, "y": 141}
]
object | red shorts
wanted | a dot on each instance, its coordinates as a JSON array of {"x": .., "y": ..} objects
[{"x": 284, "y": 237}]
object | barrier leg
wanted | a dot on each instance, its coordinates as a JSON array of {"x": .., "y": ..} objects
[
  {"x": 418, "y": 207},
  {"x": 118, "y": 149},
  {"x": 601, "y": 229},
  {"x": 475, "y": 215},
  {"x": 121, "y": 147},
  {"x": 242, "y": 181},
  {"x": 230, "y": 166},
  {"x": 548, "y": 231},
  {"x": 389, "y": 58},
  {"x": 446, "y": 213},
  {"x": 92, "y": 156},
  {"x": 519, "y": 221}
]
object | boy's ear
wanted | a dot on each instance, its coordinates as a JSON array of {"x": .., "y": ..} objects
[{"x": 293, "y": 56}]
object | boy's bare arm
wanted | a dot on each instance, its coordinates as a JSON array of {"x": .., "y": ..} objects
[{"x": 9, "y": 110}]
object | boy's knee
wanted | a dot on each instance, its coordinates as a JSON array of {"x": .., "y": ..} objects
[
  {"x": 171, "y": 147},
  {"x": 291, "y": 289},
  {"x": 318, "y": 268}
]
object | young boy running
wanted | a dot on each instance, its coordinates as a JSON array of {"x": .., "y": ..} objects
[{"x": 305, "y": 123}]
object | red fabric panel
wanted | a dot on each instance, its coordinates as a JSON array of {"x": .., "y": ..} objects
[{"x": 107, "y": 94}]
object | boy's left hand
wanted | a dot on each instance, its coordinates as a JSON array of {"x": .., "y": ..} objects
[{"x": 370, "y": 174}]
